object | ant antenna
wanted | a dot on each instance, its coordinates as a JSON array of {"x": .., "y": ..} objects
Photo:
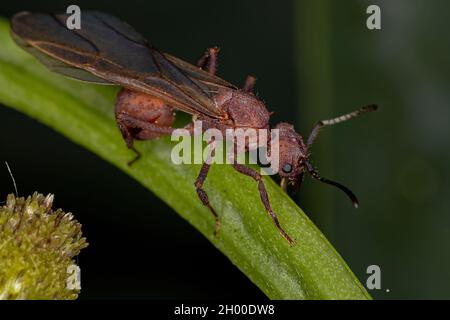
[
  {"x": 319, "y": 125},
  {"x": 347, "y": 191},
  {"x": 13, "y": 180}
]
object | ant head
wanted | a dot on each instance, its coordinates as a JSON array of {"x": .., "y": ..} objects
[
  {"x": 293, "y": 155},
  {"x": 294, "y": 162}
]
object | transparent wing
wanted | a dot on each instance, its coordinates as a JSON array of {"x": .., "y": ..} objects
[{"x": 107, "y": 50}]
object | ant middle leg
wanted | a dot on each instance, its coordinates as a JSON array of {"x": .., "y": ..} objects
[
  {"x": 209, "y": 60},
  {"x": 202, "y": 193},
  {"x": 264, "y": 197}
]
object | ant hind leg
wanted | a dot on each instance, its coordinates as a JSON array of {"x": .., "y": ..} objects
[
  {"x": 249, "y": 84},
  {"x": 136, "y": 158},
  {"x": 129, "y": 140},
  {"x": 133, "y": 128},
  {"x": 140, "y": 116}
]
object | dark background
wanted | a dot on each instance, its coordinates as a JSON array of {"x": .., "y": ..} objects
[{"x": 314, "y": 60}]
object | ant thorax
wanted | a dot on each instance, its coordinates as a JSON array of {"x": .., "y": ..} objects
[
  {"x": 244, "y": 109},
  {"x": 292, "y": 151}
]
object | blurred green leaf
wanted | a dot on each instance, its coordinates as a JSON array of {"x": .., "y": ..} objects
[{"x": 82, "y": 112}]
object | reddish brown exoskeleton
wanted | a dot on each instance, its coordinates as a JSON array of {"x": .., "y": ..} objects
[{"x": 108, "y": 51}]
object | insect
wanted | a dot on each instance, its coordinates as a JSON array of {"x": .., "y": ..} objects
[{"x": 155, "y": 84}]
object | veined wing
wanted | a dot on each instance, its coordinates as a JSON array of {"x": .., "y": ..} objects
[{"x": 107, "y": 50}]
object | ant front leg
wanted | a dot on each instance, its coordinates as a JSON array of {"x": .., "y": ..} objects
[
  {"x": 142, "y": 117},
  {"x": 202, "y": 193},
  {"x": 209, "y": 60},
  {"x": 264, "y": 197}
]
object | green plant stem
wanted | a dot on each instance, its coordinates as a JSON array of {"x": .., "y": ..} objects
[
  {"x": 82, "y": 112},
  {"x": 313, "y": 39}
]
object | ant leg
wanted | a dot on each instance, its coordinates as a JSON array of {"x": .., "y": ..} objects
[
  {"x": 142, "y": 117},
  {"x": 138, "y": 155},
  {"x": 144, "y": 130},
  {"x": 203, "y": 195},
  {"x": 319, "y": 125},
  {"x": 129, "y": 140},
  {"x": 249, "y": 84},
  {"x": 209, "y": 60},
  {"x": 203, "y": 60},
  {"x": 264, "y": 197},
  {"x": 149, "y": 128}
]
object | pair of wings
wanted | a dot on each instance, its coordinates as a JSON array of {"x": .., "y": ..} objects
[{"x": 108, "y": 51}]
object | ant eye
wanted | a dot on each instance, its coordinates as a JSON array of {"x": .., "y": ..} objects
[{"x": 287, "y": 168}]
